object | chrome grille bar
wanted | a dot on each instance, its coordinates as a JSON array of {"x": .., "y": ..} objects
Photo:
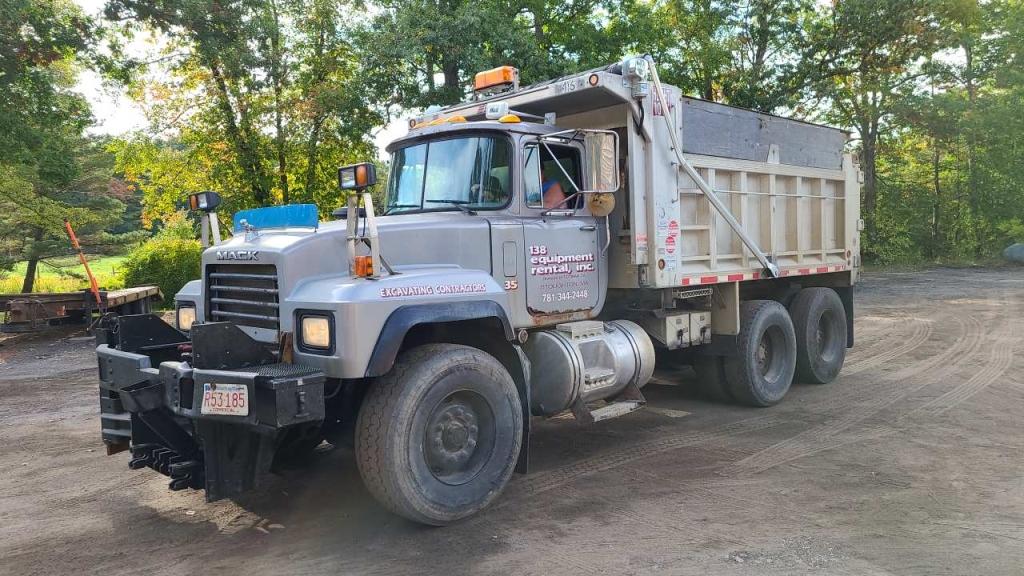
[
  {"x": 226, "y": 314},
  {"x": 244, "y": 294},
  {"x": 244, "y": 302}
]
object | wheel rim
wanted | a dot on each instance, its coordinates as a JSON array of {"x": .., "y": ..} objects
[
  {"x": 767, "y": 356},
  {"x": 459, "y": 437}
]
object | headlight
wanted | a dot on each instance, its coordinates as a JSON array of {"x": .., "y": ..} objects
[
  {"x": 186, "y": 316},
  {"x": 316, "y": 332}
]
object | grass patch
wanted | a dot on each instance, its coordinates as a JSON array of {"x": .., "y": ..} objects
[{"x": 64, "y": 274}]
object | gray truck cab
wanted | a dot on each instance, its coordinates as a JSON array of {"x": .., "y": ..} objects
[{"x": 465, "y": 230}]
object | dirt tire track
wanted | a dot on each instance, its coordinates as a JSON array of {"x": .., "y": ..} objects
[
  {"x": 1001, "y": 358},
  {"x": 922, "y": 331},
  {"x": 815, "y": 440},
  {"x": 1002, "y": 355},
  {"x": 809, "y": 440},
  {"x": 544, "y": 481},
  {"x": 879, "y": 339}
]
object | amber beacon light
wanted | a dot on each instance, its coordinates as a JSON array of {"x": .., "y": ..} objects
[{"x": 496, "y": 78}]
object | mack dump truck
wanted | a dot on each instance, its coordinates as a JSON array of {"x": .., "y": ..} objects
[{"x": 538, "y": 249}]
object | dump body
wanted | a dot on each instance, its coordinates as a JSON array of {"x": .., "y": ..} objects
[{"x": 788, "y": 183}]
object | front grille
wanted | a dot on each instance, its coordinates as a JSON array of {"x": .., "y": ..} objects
[{"x": 243, "y": 294}]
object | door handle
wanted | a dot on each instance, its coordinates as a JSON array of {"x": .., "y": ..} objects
[{"x": 588, "y": 228}]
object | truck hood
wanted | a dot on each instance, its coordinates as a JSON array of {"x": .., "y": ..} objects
[{"x": 451, "y": 238}]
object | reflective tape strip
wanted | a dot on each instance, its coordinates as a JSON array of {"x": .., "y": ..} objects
[{"x": 741, "y": 277}]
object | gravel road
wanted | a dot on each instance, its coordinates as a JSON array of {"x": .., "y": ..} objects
[{"x": 911, "y": 463}]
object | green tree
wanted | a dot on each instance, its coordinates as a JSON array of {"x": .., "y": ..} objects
[
  {"x": 48, "y": 171},
  {"x": 862, "y": 58},
  {"x": 256, "y": 95}
]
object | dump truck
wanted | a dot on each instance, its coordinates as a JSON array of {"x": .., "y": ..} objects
[{"x": 538, "y": 250}]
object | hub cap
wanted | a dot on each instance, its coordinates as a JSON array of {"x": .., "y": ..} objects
[
  {"x": 768, "y": 355},
  {"x": 459, "y": 437},
  {"x": 764, "y": 355}
]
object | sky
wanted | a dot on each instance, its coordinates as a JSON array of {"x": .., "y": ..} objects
[{"x": 116, "y": 114}]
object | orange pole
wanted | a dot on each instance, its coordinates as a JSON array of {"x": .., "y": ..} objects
[{"x": 93, "y": 285}]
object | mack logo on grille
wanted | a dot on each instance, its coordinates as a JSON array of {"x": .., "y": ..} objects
[{"x": 238, "y": 255}]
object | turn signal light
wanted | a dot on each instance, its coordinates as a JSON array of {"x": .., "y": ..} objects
[{"x": 363, "y": 266}]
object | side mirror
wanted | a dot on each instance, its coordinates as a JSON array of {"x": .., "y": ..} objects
[
  {"x": 602, "y": 148},
  {"x": 357, "y": 176}
]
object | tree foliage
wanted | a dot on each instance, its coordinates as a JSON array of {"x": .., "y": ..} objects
[
  {"x": 49, "y": 170},
  {"x": 262, "y": 100}
]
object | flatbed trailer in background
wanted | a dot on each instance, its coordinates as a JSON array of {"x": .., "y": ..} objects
[{"x": 33, "y": 311}]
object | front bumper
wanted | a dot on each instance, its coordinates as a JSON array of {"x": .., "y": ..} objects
[{"x": 151, "y": 403}]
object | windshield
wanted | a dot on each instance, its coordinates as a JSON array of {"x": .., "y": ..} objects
[{"x": 450, "y": 174}]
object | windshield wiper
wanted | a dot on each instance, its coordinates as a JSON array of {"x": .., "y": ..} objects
[
  {"x": 393, "y": 206},
  {"x": 460, "y": 204}
]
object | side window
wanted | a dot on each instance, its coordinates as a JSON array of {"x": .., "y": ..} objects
[{"x": 545, "y": 184}]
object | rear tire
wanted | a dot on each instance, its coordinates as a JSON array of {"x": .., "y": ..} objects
[
  {"x": 762, "y": 371},
  {"x": 819, "y": 320},
  {"x": 438, "y": 436}
]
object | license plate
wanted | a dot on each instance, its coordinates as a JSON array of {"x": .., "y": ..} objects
[{"x": 225, "y": 399}]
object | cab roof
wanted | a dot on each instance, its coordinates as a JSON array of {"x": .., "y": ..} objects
[{"x": 430, "y": 132}]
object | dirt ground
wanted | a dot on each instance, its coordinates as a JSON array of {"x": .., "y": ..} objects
[{"x": 911, "y": 463}]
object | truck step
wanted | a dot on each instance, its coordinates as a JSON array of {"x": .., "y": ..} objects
[
  {"x": 616, "y": 409},
  {"x": 630, "y": 400}
]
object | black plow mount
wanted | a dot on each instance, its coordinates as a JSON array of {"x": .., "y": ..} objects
[
  {"x": 152, "y": 380},
  {"x": 173, "y": 453}
]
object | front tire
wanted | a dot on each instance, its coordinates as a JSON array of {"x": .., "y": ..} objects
[
  {"x": 438, "y": 436},
  {"x": 820, "y": 323},
  {"x": 762, "y": 371}
]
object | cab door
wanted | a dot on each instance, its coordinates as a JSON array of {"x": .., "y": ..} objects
[{"x": 563, "y": 255}]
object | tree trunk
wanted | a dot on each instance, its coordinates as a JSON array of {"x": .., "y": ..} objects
[
  {"x": 33, "y": 263},
  {"x": 312, "y": 158},
  {"x": 538, "y": 27},
  {"x": 869, "y": 142},
  {"x": 972, "y": 181},
  {"x": 277, "y": 75},
  {"x": 247, "y": 158},
  {"x": 452, "y": 89},
  {"x": 313, "y": 140},
  {"x": 933, "y": 249}
]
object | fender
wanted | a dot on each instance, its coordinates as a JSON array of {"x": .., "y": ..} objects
[{"x": 405, "y": 318}]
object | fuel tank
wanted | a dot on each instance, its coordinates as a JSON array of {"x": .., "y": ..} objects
[{"x": 588, "y": 361}]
